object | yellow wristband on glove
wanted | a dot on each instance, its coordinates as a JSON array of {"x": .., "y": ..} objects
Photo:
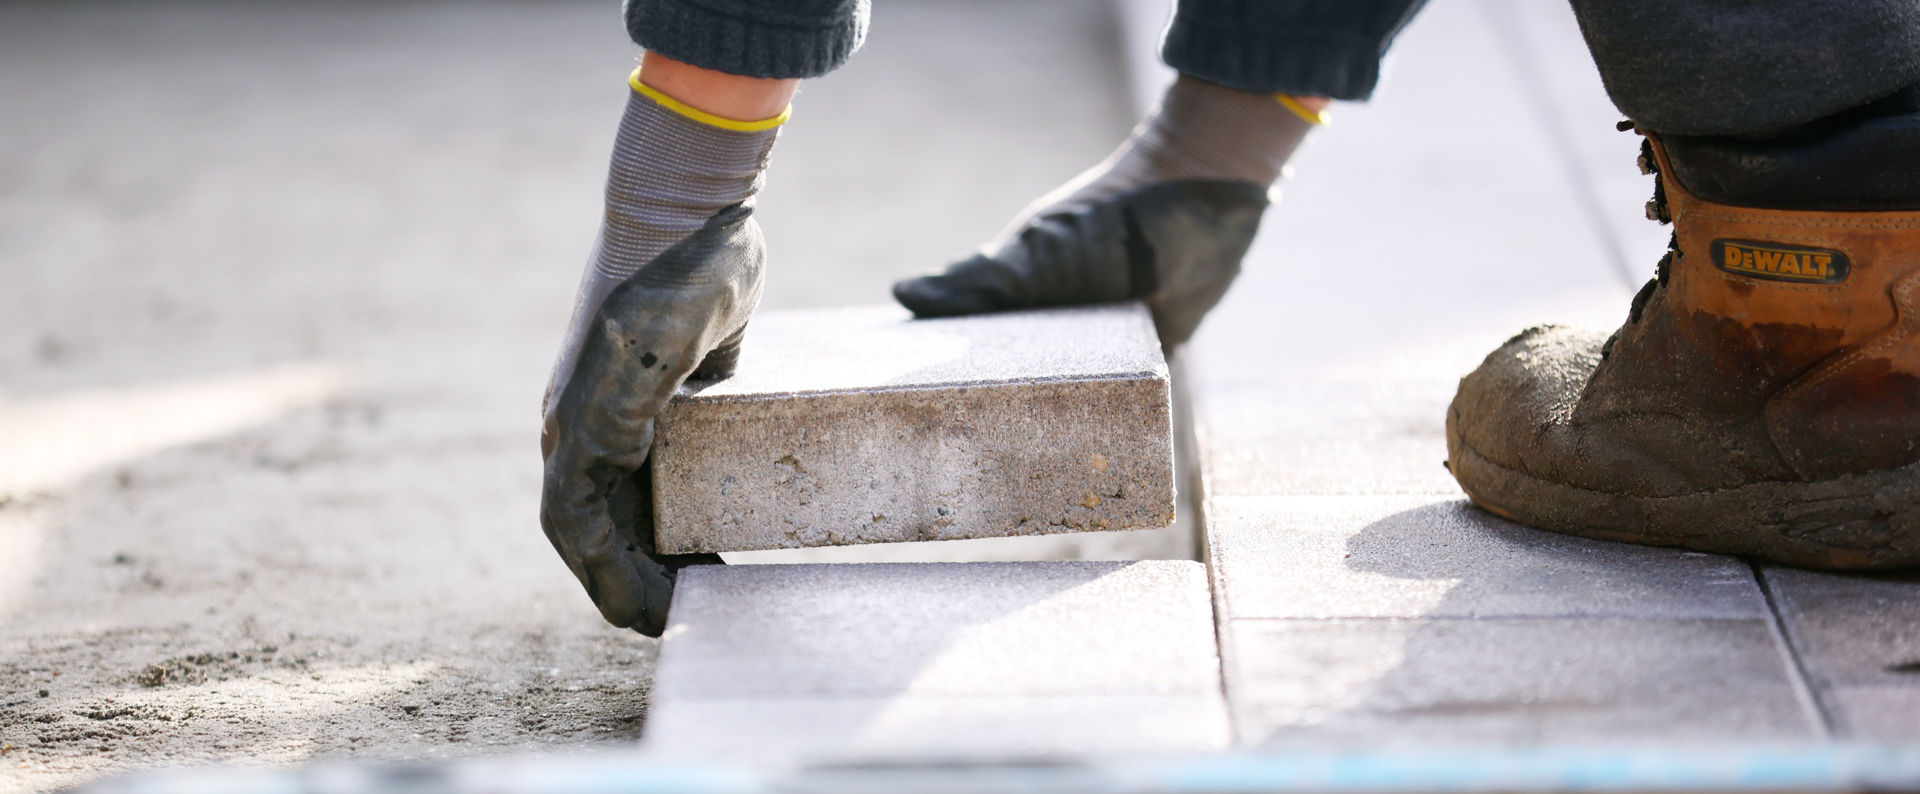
[
  {"x": 702, "y": 116},
  {"x": 1319, "y": 117}
]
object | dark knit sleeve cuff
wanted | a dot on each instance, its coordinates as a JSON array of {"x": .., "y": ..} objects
[
  {"x": 754, "y": 38},
  {"x": 1329, "y": 48}
]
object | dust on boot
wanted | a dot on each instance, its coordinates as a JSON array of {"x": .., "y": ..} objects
[{"x": 1763, "y": 398}]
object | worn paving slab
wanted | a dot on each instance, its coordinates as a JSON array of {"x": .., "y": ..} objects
[
  {"x": 1874, "y": 713},
  {"x": 848, "y": 426},
  {"x": 1858, "y": 638},
  {"x": 930, "y": 728},
  {"x": 1412, "y": 556},
  {"x": 1507, "y": 682},
  {"x": 975, "y": 629},
  {"x": 1061, "y": 656},
  {"x": 1410, "y": 619},
  {"x": 1346, "y": 436}
]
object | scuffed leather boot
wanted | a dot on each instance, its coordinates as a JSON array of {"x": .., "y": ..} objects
[{"x": 1763, "y": 398}]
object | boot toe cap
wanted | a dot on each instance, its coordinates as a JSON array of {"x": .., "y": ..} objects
[{"x": 1508, "y": 410}]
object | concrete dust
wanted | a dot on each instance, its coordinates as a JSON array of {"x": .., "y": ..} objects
[
  {"x": 73, "y": 710},
  {"x": 315, "y": 587},
  {"x": 282, "y": 284}
]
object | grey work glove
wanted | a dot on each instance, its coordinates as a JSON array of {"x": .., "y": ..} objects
[
  {"x": 1165, "y": 219},
  {"x": 1175, "y": 245},
  {"x": 679, "y": 316}
]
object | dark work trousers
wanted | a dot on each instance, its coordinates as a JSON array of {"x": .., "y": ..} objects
[{"x": 1683, "y": 67}]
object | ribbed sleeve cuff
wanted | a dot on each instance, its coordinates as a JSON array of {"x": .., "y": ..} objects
[
  {"x": 755, "y": 39},
  {"x": 1328, "y": 66}
]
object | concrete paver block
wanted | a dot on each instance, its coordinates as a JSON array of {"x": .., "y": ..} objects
[
  {"x": 879, "y": 656},
  {"x": 1859, "y": 639},
  {"x": 936, "y": 727},
  {"x": 1406, "y": 557},
  {"x": 1506, "y": 682},
  {"x": 944, "y": 629},
  {"x": 1875, "y": 713},
  {"x": 1852, "y": 629},
  {"x": 1329, "y": 437},
  {"x": 862, "y": 426}
]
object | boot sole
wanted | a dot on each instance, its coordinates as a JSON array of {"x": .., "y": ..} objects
[{"x": 1855, "y": 523}]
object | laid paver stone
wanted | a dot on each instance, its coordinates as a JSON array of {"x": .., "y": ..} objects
[
  {"x": 1874, "y": 713},
  {"x": 1508, "y": 682},
  {"x": 1858, "y": 638},
  {"x": 1054, "y": 656},
  {"x": 1426, "y": 556},
  {"x": 1419, "y": 619},
  {"x": 1851, "y": 629},
  {"x": 848, "y": 426},
  {"x": 1329, "y": 437},
  {"x": 946, "y": 629},
  {"x": 923, "y": 727}
]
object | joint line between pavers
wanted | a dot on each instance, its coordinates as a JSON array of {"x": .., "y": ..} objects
[
  {"x": 1222, "y": 620},
  {"x": 1810, "y": 699}
]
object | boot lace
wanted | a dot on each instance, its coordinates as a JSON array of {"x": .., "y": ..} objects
[{"x": 1657, "y": 211}]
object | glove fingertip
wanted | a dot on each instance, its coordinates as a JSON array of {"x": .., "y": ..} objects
[
  {"x": 937, "y": 296},
  {"x": 619, "y": 592}
]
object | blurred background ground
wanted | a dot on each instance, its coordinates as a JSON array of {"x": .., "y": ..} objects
[{"x": 281, "y": 285}]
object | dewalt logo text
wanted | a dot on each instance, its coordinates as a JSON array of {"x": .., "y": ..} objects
[{"x": 1778, "y": 262}]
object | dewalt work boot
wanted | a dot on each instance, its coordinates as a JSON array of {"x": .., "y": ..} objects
[{"x": 1763, "y": 398}]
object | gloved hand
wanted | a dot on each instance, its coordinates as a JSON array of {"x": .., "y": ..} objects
[
  {"x": 675, "y": 275},
  {"x": 680, "y": 316},
  {"x": 1165, "y": 219},
  {"x": 1175, "y": 245}
]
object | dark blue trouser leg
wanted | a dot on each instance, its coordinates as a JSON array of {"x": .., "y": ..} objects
[
  {"x": 756, "y": 38},
  {"x": 1714, "y": 67},
  {"x": 1329, "y": 48},
  {"x": 1687, "y": 67}
]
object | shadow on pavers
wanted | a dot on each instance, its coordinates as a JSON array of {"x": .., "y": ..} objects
[{"x": 1510, "y": 636}]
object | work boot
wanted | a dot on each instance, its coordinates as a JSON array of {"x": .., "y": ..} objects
[{"x": 1763, "y": 398}]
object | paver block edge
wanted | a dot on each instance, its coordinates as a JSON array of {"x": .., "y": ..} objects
[{"x": 860, "y": 426}]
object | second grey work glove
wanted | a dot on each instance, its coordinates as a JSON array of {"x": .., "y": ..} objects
[
  {"x": 1165, "y": 219},
  {"x": 675, "y": 275}
]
